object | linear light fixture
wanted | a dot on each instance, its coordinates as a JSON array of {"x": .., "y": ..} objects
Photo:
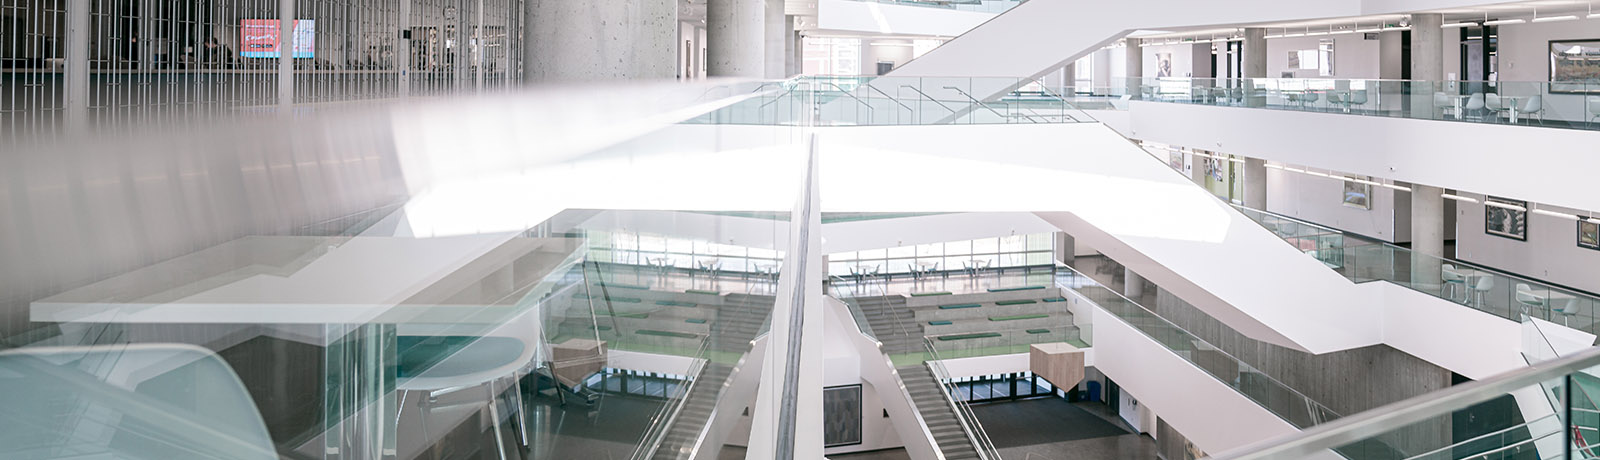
[
  {"x": 1342, "y": 32},
  {"x": 1458, "y": 24},
  {"x": 1556, "y": 214},
  {"x": 1380, "y": 29},
  {"x": 1569, "y": 17},
  {"x": 1457, "y": 198},
  {"x": 1274, "y": 166},
  {"x": 1594, "y": 220},
  {"x": 1504, "y": 21},
  {"x": 1504, "y": 206},
  {"x": 1397, "y": 187}
]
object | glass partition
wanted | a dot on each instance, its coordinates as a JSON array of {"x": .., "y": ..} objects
[{"x": 1569, "y": 105}]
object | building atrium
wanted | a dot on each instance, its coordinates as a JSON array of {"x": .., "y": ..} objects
[{"x": 799, "y": 229}]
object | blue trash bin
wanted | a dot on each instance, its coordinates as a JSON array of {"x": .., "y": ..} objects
[{"x": 1094, "y": 390}]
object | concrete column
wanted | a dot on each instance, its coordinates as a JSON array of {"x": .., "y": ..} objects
[
  {"x": 77, "y": 70},
  {"x": 285, "y": 54},
  {"x": 1133, "y": 67},
  {"x": 735, "y": 38},
  {"x": 1255, "y": 183},
  {"x": 1253, "y": 64},
  {"x": 1427, "y": 236},
  {"x": 1427, "y": 62},
  {"x": 479, "y": 45},
  {"x": 402, "y": 57},
  {"x": 792, "y": 52},
  {"x": 1066, "y": 248},
  {"x": 1069, "y": 77},
  {"x": 775, "y": 40},
  {"x": 1197, "y": 172},
  {"x": 579, "y": 41},
  {"x": 1132, "y": 284}
]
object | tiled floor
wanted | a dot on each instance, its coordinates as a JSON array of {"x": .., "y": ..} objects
[{"x": 1053, "y": 429}]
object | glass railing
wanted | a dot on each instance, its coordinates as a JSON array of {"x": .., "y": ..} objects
[
  {"x": 1571, "y": 105},
  {"x": 664, "y": 419},
  {"x": 877, "y": 101},
  {"x": 1272, "y": 395},
  {"x": 979, "y": 6},
  {"x": 1481, "y": 288},
  {"x": 1441, "y": 425},
  {"x": 963, "y": 410}
]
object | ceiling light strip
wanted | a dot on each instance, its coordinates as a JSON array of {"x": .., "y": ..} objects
[
  {"x": 1458, "y": 198},
  {"x": 1556, "y": 214}
]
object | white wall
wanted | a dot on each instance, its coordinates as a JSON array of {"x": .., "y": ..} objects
[
  {"x": 1551, "y": 252},
  {"x": 1353, "y": 56},
  {"x": 1524, "y": 57},
  {"x": 897, "y": 51},
  {"x": 884, "y": 18},
  {"x": 1320, "y": 200},
  {"x": 842, "y": 366},
  {"x": 1182, "y": 59}
]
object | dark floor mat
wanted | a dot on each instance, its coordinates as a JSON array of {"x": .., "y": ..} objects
[{"x": 1018, "y": 423}]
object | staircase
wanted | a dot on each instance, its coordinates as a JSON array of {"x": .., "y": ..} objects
[
  {"x": 887, "y": 315},
  {"x": 739, "y": 318},
  {"x": 929, "y": 396}
]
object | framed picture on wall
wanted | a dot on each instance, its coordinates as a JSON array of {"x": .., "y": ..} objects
[
  {"x": 841, "y": 415},
  {"x": 1175, "y": 160},
  {"x": 1358, "y": 194},
  {"x": 1163, "y": 64},
  {"x": 1505, "y": 217},
  {"x": 1589, "y": 234},
  {"x": 1575, "y": 66}
]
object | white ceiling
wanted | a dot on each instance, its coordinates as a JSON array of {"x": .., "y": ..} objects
[{"x": 1509, "y": 10}]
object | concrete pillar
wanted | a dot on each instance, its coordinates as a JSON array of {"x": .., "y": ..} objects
[
  {"x": 402, "y": 55},
  {"x": 792, "y": 52},
  {"x": 1133, "y": 67},
  {"x": 776, "y": 40},
  {"x": 1197, "y": 172},
  {"x": 1253, "y": 64},
  {"x": 1132, "y": 284},
  {"x": 77, "y": 70},
  {"x": 735, "y": 38},
  {"x": 479, "y": 45},
  {"x": 1255, "y": 183},
  {"x": 577, "y": 41},
  {"x": 1427, "y": 236},
  {"x": 1427, "y": 62},
  {"x": 285, "y": 54},
  {"x": 1066, "y": 249},
  {"x": 1069, "y": 78}
]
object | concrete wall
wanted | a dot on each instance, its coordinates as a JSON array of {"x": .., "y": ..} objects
[{"x": 570, "y": 41}]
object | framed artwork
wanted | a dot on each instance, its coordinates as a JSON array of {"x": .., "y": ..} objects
[
  {"x": 1163, "y": 64},
  {"x": 1175, "y": 160},
  {"x": 1294, "y": 59},
  {"x": 1575, "y": 66},
  {"x": 1505, "y": 217},
  {"x": 1358, "y": 194},
  {"x": 841, "y": 415},
  {"x": 1589, "y": 234}
]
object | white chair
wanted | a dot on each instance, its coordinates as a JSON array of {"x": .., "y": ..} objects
[
  {"x": 1481, "y": 289},
  {"x": 1528, "y": 298},
  {"x": 1475, "y": 104},
  {"x": 1452, "y": 278},
  {"x": 1534, "y": 106},
  {"x": 1496, "y": 107},
  {"x": 1594, "y": 108},
  {"x": 1443, "y": 104},
  {"x": 1356, "y": 98}
]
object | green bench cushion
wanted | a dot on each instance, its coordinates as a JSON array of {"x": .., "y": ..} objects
[
  {"x": 674, "y": 303},
  {"x": 1038, "y": 331},
  {"x": 975, "y": 335},
  {"x": 625, "y": 299},
  {"x": 701, "y": 291},
  {"x": 695, "y": 321},
  {"x": 961, "y": 305},
  {"x": 624, "y": 315},
  {"x": 1057, "y": 299},
  {"x": 1014, "y": 302},
  {"x": 680, "y": 335},
  {"x": 1018, "y": 317},
  {"x": 938, "y": 323},
  {"x": 1010, "y": 289},
  {"x": 927, "y": 294},
  {"x": 624, "y": 286}
]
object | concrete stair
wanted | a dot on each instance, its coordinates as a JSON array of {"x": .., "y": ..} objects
[
  {"x": 929, "y": 397},
  {"x": 739, "y": 319}
]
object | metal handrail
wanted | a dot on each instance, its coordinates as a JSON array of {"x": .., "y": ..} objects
[
  {"x": 656, "y": 433},
  {"x": 930, "y": 97},
  {"x": 848, "y": 94},
  {"x": 975, "y": 433},
  {"x": 1405, "y": 412},
  {"x": 976, "y": 101},
  {"x": 1482, "y": 436},
  {"x": 887, "y": 96}
]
